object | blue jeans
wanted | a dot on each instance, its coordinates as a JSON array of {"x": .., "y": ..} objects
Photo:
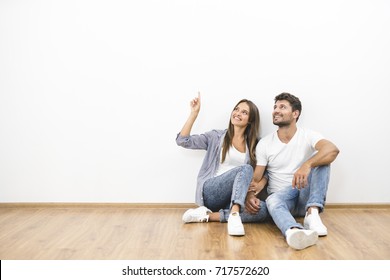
[
  {"x": 246, "y": 217},
  {"x": 285, "y": 204},
  {"x": 231, "y": 187}
]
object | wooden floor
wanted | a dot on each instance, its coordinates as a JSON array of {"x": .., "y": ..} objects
[{"x": 126, "y": 233}]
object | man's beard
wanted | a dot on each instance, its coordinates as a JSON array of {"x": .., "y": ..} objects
[{"x": 282, "y": 123}]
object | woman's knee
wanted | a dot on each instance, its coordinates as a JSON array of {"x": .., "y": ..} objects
[{"x": 247, "y": 169}]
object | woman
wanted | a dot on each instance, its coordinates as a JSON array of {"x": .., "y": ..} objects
[{"x": 227, "y": 168}]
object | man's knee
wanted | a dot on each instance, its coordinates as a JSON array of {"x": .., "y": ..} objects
[
  {"x": 323, "y": 170},
  {"x": 272, "y": 201},
  {"x": 320, "y": 173}
]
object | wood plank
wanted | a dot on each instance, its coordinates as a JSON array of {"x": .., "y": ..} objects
[{"x": 110, "y": 233}]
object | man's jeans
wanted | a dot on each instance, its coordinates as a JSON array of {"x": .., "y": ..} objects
[{"x": 285, "y": 204}]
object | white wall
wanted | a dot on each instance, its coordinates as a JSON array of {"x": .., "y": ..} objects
[{"x": 92, "y": 93}]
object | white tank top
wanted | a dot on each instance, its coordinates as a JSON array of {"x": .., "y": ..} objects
[{"x": 233, "y": 159}]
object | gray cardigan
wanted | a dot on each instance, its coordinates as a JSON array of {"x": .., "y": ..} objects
[{"x": 211, "y": 142}]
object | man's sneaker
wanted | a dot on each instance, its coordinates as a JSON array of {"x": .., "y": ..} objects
[
  {"x": 235, "y": 226},
  {"x": 313, "y": 222},
  {"x": 301, "y": 238},
  {"x": 197, "y": 215}
]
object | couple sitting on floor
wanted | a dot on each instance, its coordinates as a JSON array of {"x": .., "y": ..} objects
[{"x": 293, "y": 162}]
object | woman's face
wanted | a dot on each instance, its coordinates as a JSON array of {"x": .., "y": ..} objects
[{"x": 240, "y": 115}]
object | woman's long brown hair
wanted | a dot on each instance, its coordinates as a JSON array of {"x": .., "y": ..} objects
[{"x": 251, "y": 133}]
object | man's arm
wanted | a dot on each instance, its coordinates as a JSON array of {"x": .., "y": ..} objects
[
  {"x": 258, "y": 180},
  {"x": 252, "y": 203},
  {"x": 326, "y": 154}
]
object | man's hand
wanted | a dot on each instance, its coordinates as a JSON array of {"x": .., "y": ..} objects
[
  {"x": 300, "y": 177},
  {"x": 252, "y": 204}
]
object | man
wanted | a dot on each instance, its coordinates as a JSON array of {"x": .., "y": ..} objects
[{"x": 297, "y": 163}]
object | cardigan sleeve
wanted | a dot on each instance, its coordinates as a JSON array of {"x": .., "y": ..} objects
[{"x": 196, "y": 141}]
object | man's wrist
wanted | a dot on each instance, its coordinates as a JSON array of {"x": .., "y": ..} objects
[{"x": 255, "y": 193}]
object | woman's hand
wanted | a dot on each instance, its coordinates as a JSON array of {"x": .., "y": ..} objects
[
  {"x": 195, "y": 108},
  {"x": 195, "y": 104}
]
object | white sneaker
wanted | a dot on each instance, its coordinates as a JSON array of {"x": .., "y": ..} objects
[
  {"x": 301, "y": 238},
  {"x": 197, "y": 215},
  {"x": 313, "y": 222},
  {"x": 235, "y": 226}
]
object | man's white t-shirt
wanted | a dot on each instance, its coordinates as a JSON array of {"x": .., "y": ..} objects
[{"x": 283, "y": 160}]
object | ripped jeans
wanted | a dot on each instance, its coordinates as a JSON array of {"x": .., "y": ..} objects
[{"x": 283, "y": 205}]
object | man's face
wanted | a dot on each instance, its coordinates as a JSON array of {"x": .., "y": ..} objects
[{"x": 283, "y": 114}]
